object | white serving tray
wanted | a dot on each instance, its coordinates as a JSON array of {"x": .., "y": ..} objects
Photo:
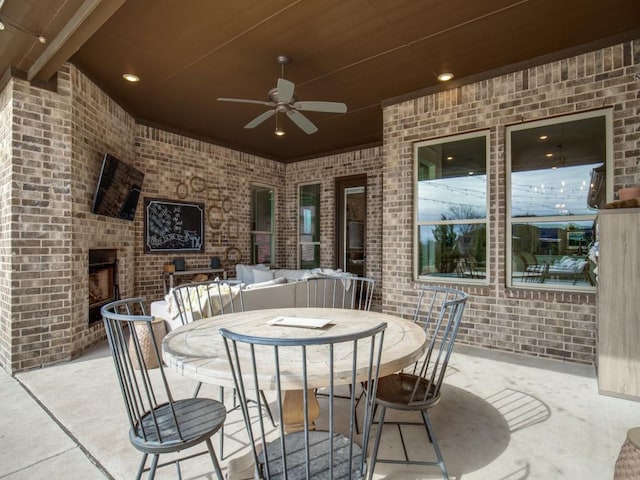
[{"x": 299, "y": 322}]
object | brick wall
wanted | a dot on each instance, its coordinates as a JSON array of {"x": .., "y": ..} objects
[
  {"x": 54, "y": 159},
  {"x": 99, "y": 125},
  {"x": 51, "y": 146},
  {"x": 544, "y": 323},
  {"x": 38, "y": 230},
  {"x": 181, "y": 168},
  {"x": 325, "y": 170},
  {"x": 6, "y": 131}
]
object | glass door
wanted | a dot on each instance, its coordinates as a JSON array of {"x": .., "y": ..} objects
[{"x": 351, "y": 224}]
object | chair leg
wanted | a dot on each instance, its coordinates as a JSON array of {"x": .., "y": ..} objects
[
  {"x": 374, "y": 454},
  {"x": 266, "y": 406},
  {"x": 214, "y": 459},
  {"x": 153, "y": 466},
  {"x": 221, "y": 438},
  {"x": 178, "y": 471},
  {"x": 432, "y": 436},
  {"x": 143, "y": 461},
  {"x": 197, "y": 390}
]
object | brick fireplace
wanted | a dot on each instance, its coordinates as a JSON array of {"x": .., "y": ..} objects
[{"x": 103, "y": 280}]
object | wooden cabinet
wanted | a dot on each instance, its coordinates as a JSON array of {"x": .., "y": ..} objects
[{"x": 618, "y": 348}]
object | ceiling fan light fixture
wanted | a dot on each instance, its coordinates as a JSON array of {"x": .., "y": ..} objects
[
  {"x": 283, "y": 101},
  {"x": 445, "y": 76},
  {"x": 131, "y": 77},
  {"x": 278, "y": 132}
]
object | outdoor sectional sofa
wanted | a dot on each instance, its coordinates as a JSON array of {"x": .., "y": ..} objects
[{"x": 275, "y": 289}]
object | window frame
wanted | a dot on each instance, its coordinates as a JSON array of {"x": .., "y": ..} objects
[
  {"x": 272, "y": 232},
  {"x": 486, "y": 133},
  {"x": 607, "y": 113},
  {"x": 299, "y": 242}
]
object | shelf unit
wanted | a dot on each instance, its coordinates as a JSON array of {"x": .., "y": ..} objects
[{"x": 618, "y": 347}]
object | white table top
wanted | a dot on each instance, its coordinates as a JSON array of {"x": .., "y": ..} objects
[{"x": 197, "y": 350}]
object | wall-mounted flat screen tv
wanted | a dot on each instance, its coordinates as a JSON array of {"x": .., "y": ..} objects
[{"x": 118, "y": 190}]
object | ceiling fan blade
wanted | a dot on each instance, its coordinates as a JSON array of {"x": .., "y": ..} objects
[
  {"x": 303, "y": 122},
  {"x": 285, "y": 90},
  {"x": 330, "y": 107},
  {"x": 260, "y": 118},
  {"x": 244, "y": 100}
]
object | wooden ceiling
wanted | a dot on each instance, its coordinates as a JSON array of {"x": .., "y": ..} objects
[{"x": 361, "y": 52}]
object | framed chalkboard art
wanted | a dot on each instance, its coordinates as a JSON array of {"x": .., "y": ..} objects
[{"x": 173, "y": 226}]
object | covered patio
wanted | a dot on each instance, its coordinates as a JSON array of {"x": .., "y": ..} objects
[{"x": 503, "y": 416}]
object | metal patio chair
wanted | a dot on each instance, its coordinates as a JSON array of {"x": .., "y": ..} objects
[
  {"x": 340, "y": 292},
  {"x": 199, "y": 300},
  {"x": 440, "y": 311},
  {"x": 329, "y": 452},
  {"x": 158, "y": 423}
]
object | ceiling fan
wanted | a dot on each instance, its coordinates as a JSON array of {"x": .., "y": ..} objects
[{"x": 282, "y": 100}]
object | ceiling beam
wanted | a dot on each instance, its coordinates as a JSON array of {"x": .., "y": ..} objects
[{"x": 84, "y": 23}]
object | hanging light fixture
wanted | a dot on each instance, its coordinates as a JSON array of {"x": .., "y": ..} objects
[
  {"x": 7, "y": 21},
  {"x": 279, "y": 132},
  {"x": 562, "y": 159}
]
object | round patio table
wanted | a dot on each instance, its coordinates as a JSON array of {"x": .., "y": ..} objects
[{"x": 197, "y": 350}]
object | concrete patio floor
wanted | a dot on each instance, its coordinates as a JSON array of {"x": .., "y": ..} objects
[{"x": 502, "y": 417}]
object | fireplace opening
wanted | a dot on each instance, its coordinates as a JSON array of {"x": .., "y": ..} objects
[{"x": 103, "y": 284}]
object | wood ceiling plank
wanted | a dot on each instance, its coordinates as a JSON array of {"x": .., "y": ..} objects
[{"x": 362, "y": 52}]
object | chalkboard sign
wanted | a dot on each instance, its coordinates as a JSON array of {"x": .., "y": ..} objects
[{"x": 173, "y": 226}]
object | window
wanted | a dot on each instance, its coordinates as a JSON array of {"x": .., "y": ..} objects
[
  {"x": 309, "y": 226},
  {"x": 451, "y": 208},
  {"x": 557, "y": 176},
  {"x": 262, "y": 224}
]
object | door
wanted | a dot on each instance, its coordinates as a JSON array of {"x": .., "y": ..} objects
[{"x": 351, "y": 224}]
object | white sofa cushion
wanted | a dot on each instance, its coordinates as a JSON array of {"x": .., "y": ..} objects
[
  {"x": 268, "y": 283},
  {"x": 291, "y": 274}
]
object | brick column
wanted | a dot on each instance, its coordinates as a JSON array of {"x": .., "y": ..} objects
[{"x": 36, "y": 225}]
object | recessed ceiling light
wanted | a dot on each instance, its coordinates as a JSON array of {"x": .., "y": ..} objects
[
  {"x": 549, "y": 154},
  {"x": 471, "y": 173},
  {"x": 543, "y": 137},
  {"x": 449, "y": 157},
  {"x": 130, "y": 77},
  {"x": 445, "y": 77}
]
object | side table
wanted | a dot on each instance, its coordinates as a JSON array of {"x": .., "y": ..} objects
[{"x": 167, "y": 277}]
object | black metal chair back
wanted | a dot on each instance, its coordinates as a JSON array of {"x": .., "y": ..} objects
[
  {"x": 440, "y": 312},
  {"x": 158, "y": 423},
  {"x": 340, "y": 292},
  {"x": 198, "y": 300},
  {"x": 331, "y": 452}
]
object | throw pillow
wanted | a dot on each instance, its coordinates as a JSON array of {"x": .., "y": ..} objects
[
  {"x": 244, "y": 273},
  {"x": 259, "y": 275}
]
